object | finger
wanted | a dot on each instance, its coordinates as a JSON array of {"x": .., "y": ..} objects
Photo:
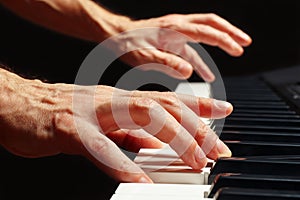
[
  {"x": 189, "y": 121},
  {"x": 223, "y": 25},
  {"x": 203, "y": 107},
  {"x": 185, "y": 114},
  {"x": 190, "y": 55},
  {"x": 145, "y": 113},
  {"x": 134, "y": 140},
  {"x": 76, "y": 135},
  {"x": 211, "y": 36},
  {"x": 157, "y": 121},
  {"x": 207, "y": 107},
  {"x": 209, "y": 142},
  {"x": 109, "y": 158},
  {"x": 169, "y": 64}
]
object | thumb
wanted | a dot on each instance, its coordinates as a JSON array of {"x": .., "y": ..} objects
[{"x": 107, "y": 156}]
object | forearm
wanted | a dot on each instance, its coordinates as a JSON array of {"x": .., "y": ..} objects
[{"x": 79, "y": 18}]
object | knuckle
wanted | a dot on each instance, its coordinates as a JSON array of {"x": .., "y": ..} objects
[
  {"x": 142, "y": 104},
  {"x": 140, "y": 110},
  {"x": 173, "y": 17},
  {"x": 203, "y": 129},
  {"x": 63, "y": 122},
  {"x": 170, "y": 21},
  {"x": 170, "y": 99},
  {"x": 212, "y": 17},
  {"x": 167, "y": 60},
  {"x": 201, "y": 28}
]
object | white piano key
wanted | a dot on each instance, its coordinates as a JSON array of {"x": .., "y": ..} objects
[
  {"x": 162, "y": 189},
  {"x": 200, "y": 89},
  {"x": 179, "y": 176},
  {"x": 166, "y": 152},
  {"x": 173, "y": 179},
  {"x": 156, "y": 197},
  {"x": 164, "y": 166}
]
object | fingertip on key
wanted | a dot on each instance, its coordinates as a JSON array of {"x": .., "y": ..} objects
[
  {"x": 223, "y": 150},
  {"x": 144, "y": 179}
]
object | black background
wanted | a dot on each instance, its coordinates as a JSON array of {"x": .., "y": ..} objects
[{"x": 34, "y": 51}]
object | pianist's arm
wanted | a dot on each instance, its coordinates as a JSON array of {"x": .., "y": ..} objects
[
  {"x": 87, "y": 20},
  {"x": 40, "y": 119}
]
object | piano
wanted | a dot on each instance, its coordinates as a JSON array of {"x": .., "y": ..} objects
[{"x": 263, "y": 133}]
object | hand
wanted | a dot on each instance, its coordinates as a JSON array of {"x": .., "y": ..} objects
[
  {"x": 167, "y": 39},
  {"x": 39, "y": 119},
  {"x": 167, "y": 44}
]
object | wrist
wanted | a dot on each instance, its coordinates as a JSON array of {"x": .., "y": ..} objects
[
  {"x": 27, "y": 110},
  {"x": 106, "y": 23},
  {"x": 8, "y": 85}
]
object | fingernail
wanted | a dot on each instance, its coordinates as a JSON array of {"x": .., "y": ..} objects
[
  {"x": 237, "y": 47},
  {"x": 144, "y": 180},
  {"x": 246, "y": 37},
  {"x": 209, "y": 77},
  {"x": 222, "y": 105},
  {"x": 223, "y": 150}
]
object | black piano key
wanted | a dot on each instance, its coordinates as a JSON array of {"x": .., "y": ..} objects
[
  {"x": 254, "y": 182},
  {"x": 256, "y": 165},
  {"x": 256, "y": 93},
  {"x": 264, "y": 111},
  {"x": 248, "y": 148},
  {"x": 286, "y": 158},
  {"x": 265, "y": 106},
  {"x": 263, "y": 121},
  {"x": 232, "y": 83},
  {"x": 275, "y": 129},
  {"x": 255, "y": 194},
  {"x": 254, "y": 98},
  {"x": 250, "y": 93},
  {"x": 264, "y": 124},
  {"x": 260, "y": 136},
  {"x": 246, "y": 102},
  {"x": 267, "y": 116}
]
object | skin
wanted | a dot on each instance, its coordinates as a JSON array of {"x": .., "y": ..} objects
[
  {"x": 40, "y": 119},
  {"x": 87, "y": 20}
]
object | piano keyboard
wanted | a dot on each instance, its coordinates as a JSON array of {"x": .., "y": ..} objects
[{"x": 263, "y": 133}]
